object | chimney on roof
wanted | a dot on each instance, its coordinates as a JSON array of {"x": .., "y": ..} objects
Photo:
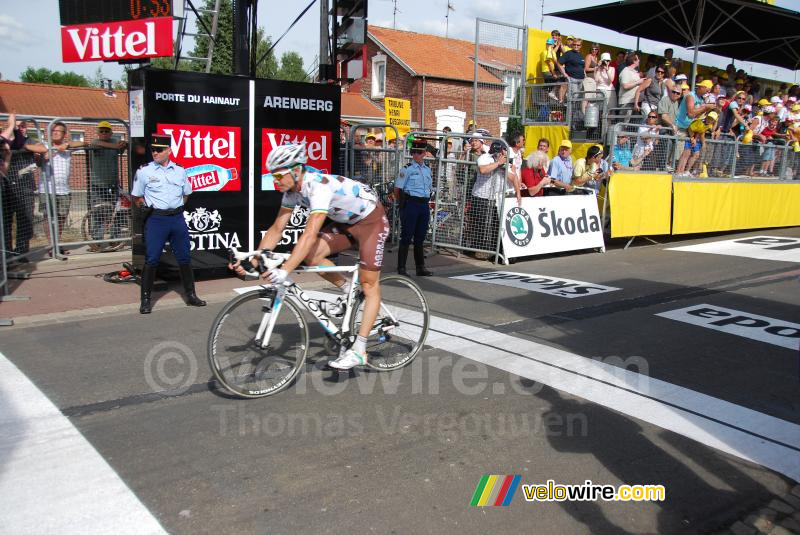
[{"x": 109, "y": 88}]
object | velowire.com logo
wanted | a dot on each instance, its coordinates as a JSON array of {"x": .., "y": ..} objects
[{"x": 495, "y": 490}]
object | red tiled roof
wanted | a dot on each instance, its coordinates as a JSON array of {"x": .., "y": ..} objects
[
  {"x": 356, "y": 105},
  {"x": 48, "y": 100},
  {"x": 439, "y": 57}
]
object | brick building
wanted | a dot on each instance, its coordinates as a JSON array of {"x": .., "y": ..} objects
[{"x": 437, "y": 75}]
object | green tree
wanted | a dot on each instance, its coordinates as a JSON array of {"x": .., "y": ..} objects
[
  {"x": 43, "y": 75},
  {"x": 291, "y": 68}
]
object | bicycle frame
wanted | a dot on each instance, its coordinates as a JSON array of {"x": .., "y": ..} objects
[{"x": 340, "y": 334}]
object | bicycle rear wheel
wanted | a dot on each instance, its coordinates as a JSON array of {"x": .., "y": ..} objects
[
  {"x": 400, "y": 329},
  {"x": 239, "y": 362}
]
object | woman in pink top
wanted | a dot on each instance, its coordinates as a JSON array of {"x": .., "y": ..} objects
[{"x": 604, "y": 75}]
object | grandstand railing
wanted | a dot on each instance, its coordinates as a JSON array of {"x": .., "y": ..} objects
[{"x": 723, "y": 157}]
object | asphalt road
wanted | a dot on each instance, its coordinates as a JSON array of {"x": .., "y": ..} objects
[{"x": 597, "y": 387}]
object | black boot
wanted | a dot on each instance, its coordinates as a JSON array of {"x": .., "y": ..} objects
[
  {"x": 148, "y": 276},
  {"x": 402, "y": 254},
  {"x": 187, "y": 277},
  {"x": 419, "y": 260}
]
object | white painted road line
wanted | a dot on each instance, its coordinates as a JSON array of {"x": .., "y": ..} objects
[
  {"x": 51, "y": 479},
  {"x": 730, "y": 428},
  {"x": 780, "y": 248}
]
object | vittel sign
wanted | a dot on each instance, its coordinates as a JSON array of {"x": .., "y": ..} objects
[
  {"x": 211, "y": 155},
  {"x": 319, "y": 145},
  {"x": 131, "y": 39}
]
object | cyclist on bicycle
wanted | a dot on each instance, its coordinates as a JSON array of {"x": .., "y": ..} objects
[{"x": 357, "y": 217}]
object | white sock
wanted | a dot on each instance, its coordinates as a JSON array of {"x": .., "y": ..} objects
[{"x": 360, "y": 346}]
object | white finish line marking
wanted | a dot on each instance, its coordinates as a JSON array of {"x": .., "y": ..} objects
[
  {"x": 725, "y": 426},
  {"x": 51, "y": 479},
  {"x": 780, "y": 248}
]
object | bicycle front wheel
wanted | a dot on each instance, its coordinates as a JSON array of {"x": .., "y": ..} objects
[
  {"x": 240, "y": 363},
  {"x": 399, "y": 331}
]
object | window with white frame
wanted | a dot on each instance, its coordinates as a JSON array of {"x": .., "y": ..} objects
[
  {"x": 511, "y": 81},
  {"x": 378, "y": 76}
]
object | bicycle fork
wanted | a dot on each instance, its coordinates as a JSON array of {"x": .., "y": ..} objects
[{"x": 270, "y": 316}]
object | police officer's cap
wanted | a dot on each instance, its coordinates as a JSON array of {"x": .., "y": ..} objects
[
  {"x": 160, "y": 140},
  {"x": 418, "y": 145},
  {"x": 433, "y": 150}
]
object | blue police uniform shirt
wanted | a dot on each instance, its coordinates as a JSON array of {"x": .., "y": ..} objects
[
  {"x": 415, "y": 179},
  {"x": 162, "y": 187}
]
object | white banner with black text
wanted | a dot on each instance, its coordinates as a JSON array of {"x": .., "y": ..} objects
[{"x": 551, "y": 224}]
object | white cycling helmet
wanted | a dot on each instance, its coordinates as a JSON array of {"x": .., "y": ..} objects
[{"x": 287, "y": 155}]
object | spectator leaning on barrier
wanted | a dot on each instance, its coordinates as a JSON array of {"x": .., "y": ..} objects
[
  {"x": 573, "y": 65},
  {"x": 692, "y": 107},
  {"x": 696, "y": 142},
  {"x": 534, "y": 174},
  {"x": 668, "y": 107},
  {"x": 621, "y": 153},
  {"x": 516, "y": 144},
  {"x": 561, "y": 167},
  {"x": 591, "y": 62},
  {"x": 552, "y": 71},
  {"x": 19, "y": 190},
  {"x": 58, "y": 167},
  {"x": 588, "y": 169},
  {"x": 490, "y": 185},
  {"x": 651, "y": 91},
  {"x": 104, "y": 180}
]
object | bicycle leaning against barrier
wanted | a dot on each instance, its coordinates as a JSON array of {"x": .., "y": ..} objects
[{"x": 259, "y": 341}]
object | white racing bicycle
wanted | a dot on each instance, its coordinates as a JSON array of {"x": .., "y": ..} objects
[{"x": 259, "y": 341}]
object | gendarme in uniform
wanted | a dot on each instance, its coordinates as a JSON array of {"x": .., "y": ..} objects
[
  {"x": 413, "y": 187},
  {"x": 161, "y": 187}
]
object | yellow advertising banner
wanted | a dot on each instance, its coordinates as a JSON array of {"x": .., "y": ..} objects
[
  {"x": 398, "y": 114},
  {"x": 715, "y": 206},
  {"x": 640, "y": 204}
]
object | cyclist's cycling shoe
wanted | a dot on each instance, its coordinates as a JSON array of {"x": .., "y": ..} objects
[
  {"x": 335, "y": 309},
  {"x": 350, "y": 359}
]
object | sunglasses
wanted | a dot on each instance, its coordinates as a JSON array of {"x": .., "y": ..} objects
[
  {"x": 660, "y": 72},
  {"x": 652, "y": 116},
  {"x": 104, "y": 131},
  {"x": 158, "y": 149},
  {"x": 676, "y": 92},
  {"x": 278, "y": 175}
]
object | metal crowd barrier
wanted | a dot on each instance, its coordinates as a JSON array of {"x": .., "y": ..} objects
[
  {"x": 636, "y": 148},
  {"x": 23, "y": 236},
  {"x": 95, "y": 206},
  {"x": 460, "y": 220},
  {"x": 376, "y": 166},
  {"x": 546, "y": 103}
]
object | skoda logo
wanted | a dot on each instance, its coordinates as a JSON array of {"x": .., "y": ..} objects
[{"x": 519, "y": 226}]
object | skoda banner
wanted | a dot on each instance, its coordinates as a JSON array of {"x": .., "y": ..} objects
[
  {"x": 222, "y": 141},
  {"x": 551, "y": 224}
]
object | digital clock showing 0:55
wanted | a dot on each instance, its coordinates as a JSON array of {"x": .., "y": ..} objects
[{"x": 90, "y": 11}]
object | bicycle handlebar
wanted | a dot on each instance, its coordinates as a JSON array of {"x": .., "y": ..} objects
[{"x": 267, "y": 260}]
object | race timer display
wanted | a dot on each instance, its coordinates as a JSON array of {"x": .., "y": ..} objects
[{"x": 89, "y": 11}]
